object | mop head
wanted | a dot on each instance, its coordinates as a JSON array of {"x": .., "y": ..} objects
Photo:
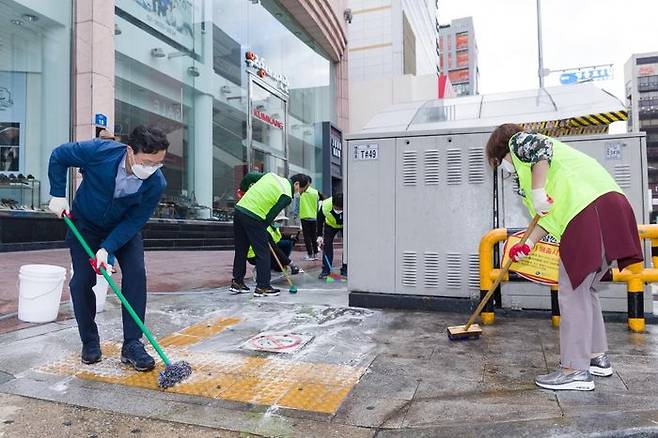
[
  {"x": 329, "y": 279},
  {"x": 292, "y": 290},
  {"x": 174, "y": 373}
]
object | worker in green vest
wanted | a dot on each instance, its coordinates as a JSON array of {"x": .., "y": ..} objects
[
  {"x": 282, "y": 246},
  {"x": 254, "y": 212},
  {"x": 330, "y": 223},
  {"x": 582, "y": 207},
  {"x": 308, "y": 212}
]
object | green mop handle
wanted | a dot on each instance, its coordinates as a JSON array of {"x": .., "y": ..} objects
[{"x": 116, "y": 290}]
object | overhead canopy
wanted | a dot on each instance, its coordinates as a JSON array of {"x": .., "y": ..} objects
[{"x": 564, "y": 110}]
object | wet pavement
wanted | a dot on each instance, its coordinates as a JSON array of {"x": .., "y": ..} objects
[{"x": 363, "y": 372}]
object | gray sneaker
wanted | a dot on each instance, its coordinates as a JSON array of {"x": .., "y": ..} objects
[
  {"x": 600, "y": 366},
  {"x": 562, "y": 379}
]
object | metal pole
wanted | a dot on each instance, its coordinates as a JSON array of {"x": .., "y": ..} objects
[{"x": 539, "y": 44}]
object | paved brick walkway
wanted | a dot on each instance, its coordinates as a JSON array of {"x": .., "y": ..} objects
[{"x": 167, "y": 271}]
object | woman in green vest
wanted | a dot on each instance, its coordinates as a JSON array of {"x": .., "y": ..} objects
[
  {"x": 281, "y": 245},
  {"x": 582, "y": 207},
  {"x": 308, "y": 212},
  {"x": 330, "y": 223}
]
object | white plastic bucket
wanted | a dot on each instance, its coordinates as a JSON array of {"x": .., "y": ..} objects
[
  {"x": 100, "y": 290},
  {"x": 39, "y": 292}
]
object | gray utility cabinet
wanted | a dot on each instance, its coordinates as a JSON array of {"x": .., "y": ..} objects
[{"x": 418, "y": 207}]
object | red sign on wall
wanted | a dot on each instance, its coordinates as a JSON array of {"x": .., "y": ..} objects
[{"x": 268, "y": 119}]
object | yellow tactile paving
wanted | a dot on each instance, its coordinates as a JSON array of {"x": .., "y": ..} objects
[{"x": 317, "y": 387}]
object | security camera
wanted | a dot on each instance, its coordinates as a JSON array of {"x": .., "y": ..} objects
[
  {"x": 193, "y": 71},
  {"x": 347, "y": 14}
]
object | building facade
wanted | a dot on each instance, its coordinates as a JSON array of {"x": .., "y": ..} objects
[
  {"x": 459, "y": 55},
  {"x": 392, "y": 54},
  {"x": 390, "y": 38},
  {"x": 235, "y": 84},
  {"x": 641, "y": 79}
]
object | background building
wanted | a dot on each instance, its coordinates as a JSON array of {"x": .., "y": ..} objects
[
  {"x": 459, "y": 55},
  {"x": 235, "y": 84},
  {"x": 641, "y": 78},
  {"x": 392, "y": 55}
]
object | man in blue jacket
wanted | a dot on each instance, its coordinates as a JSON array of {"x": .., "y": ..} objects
[{"x": 120, "y": 189}]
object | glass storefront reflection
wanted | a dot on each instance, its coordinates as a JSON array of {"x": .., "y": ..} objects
[{"x": 168, "y": 61}]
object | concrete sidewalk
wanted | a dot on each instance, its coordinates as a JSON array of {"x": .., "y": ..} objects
[{"x": 363, "y": 373}]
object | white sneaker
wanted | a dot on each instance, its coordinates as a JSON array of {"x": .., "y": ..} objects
[{"x": 309, "y": 258}]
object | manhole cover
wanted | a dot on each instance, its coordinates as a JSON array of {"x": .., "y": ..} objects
[{"x": 277, "y": 342}]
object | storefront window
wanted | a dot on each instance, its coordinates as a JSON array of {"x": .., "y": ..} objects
[
  {"x": 157, "y": 53},
  {"x": 35, "y": 72},
  {"x": 189, "y": 77}
]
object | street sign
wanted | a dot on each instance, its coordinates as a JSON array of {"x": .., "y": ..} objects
[
  {"x": 101, "y": 120},
  {"x": 586, "y": 74}
]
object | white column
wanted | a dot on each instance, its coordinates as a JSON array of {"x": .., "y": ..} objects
[{"x": 203, "y": 153}]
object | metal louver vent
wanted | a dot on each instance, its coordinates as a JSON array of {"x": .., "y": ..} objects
[
  {"x": 432, "y": 269},
  {"x": 409, "y": 168},
  {"x": 474, "y": 271},
  {"x": 476, "y": 165},
  {"x": 623, "y": 175},
  {"x": 454, "y": 166},
  {"x": 432, "y": 170},
  {"x": 409, "y": 268},
  {"x": 453, "y": 270}
]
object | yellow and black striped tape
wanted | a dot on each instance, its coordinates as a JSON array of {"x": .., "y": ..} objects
[{"x": 599, "y": 119}]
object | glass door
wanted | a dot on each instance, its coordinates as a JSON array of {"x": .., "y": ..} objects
[{"x": 267, "y": 128}]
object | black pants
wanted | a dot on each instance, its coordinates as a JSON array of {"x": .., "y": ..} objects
[
  {"x": 310, "y": 230},
  {"x": 328, "y": 253},
  {"x": 133, "y": 283},
  {"x": 250, "y": 231}
]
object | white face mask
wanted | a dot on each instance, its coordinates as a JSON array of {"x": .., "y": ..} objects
[
  {"x": 143, "y": 172},
  {"x": 507, "y": 166},
  {"x": 338, "y": 211}
]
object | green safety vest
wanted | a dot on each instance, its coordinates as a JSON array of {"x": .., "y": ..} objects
[
  {"x": 308, "y": 204},
  {"x": 264, "y": 195},
  {"x": 276, "y": 236},
  {"x": 329, "y": 218},
  {"x": 574, "y": 181}
]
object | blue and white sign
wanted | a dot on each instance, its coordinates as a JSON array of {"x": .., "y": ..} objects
[
  {"x": 101, "y": 120},
  {"x": 587, "y": 74}
]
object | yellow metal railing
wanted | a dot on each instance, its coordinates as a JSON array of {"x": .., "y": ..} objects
[{"x": 635, "y": 276}]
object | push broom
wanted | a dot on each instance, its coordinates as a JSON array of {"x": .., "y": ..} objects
[
  {"x": 173, "y": 372},
  {"x": 293, "y": 289},
  {"x": 471, "y": 330}
]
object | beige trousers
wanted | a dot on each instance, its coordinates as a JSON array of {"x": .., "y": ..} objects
[{"x": 581, "y": 322}]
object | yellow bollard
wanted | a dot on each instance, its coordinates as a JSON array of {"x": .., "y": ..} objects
[{"x": 555, "y": 307}]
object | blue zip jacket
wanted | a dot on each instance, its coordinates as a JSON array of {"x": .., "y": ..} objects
[{"x": 94, "y": 204}]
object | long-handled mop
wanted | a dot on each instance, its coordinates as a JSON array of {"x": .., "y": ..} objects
[
  {"x": 473, "y": 331},
  {"x": 293, "y": 289},
  {"x": 173, "y": 372}
]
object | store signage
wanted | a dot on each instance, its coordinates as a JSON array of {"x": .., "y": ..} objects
[
  {"x": 646, "y": 70},
  {"x": 336, "y": 145},
  {"x": 264, "y": 71},
  {"x": 586, "y": 74},
  {"x": 268, "y": 119},
  {"x": 100, "y": 120}
]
